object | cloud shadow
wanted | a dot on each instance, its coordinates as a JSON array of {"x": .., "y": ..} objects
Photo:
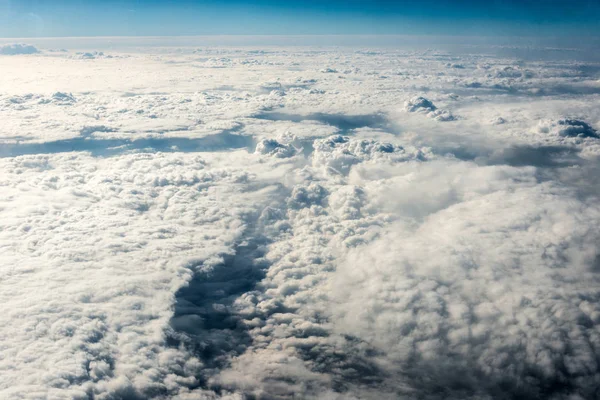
[
  {"x": 345, "y": 123},
  {"x": 110, "y": 147},
  {"x": 536, "y": 156},
  {"x": 205, "y": 321}
]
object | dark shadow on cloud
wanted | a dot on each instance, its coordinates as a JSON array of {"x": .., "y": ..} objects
[
  {"x": 458, "y": 378},
  {"x": 348, "y": 366},
  {"x": 204, "y": 321},
  {"x": 482, "y": 152},
  {"x": 207, "y": 323},
  {"x": 536, "y": 156},
  {"x": 532, "y": 91},
  {"x": 565, "y": 89},
  {"x": 345, "y": 123},
  {"x": 12, "y": 139},
  {"x": 577, "y": 128},
  {"x": 110, "y": 147},
  {"x": 589, "y": 70}
]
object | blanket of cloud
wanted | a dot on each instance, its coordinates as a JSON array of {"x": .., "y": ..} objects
[{"x": 299, "y": 223}]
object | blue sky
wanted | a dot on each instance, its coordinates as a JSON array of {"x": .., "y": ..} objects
[{"x": 31, "y": 18}]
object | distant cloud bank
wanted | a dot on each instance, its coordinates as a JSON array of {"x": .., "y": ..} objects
[{"x": 17, "y": 48}]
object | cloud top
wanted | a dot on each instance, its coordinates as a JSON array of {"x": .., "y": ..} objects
[{"x": 17, "y": 48}]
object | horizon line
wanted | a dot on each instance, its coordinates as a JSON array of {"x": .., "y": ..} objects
[{"x": 370, "y": 35}]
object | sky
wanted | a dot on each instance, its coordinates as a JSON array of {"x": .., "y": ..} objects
[{"x": 67, "y": 18}]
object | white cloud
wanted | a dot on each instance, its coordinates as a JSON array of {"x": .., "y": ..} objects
[
  {"x": 273, "y": 148},
  {"x": 17, "y": 48},
  {"x": 418, "y": 104},
  {"x": 422, "y": 105},
  {"x": 485, "y": 290},
  {"x": 223, "y": 223}
]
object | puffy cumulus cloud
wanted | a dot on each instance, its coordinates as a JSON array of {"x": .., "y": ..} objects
[
  {"x": 306, "y": 196},
  {"x": 569, "y": 128},
  {"x": 442, "y": 115},
  {"x": 91, "y": 55},
  {"x": 95, "y": 250},
  {"x": 422, "y": 105},
  {"x": 339, "y": 153},
  {"x": 17, "y": 48},
  {"x": 346, "y": 250},
  {"x": 193, "y": 110},
  {"x": 490, "y": 294},
  {"x": 511, "y": 72},
  {"x": 61, "y": 98},
  {"x": 417, "y": 278},
  {"x": 419, "y": 103},
  {"x": 294, "y": 350},
  {"x": 570, "y": 134},
  {"x": 273, "y": 148}
]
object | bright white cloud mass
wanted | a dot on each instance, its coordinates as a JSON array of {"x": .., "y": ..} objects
[{"x": 298, "y": 222}]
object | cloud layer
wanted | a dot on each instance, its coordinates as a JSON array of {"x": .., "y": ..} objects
[{"x": 405, "y": 225}]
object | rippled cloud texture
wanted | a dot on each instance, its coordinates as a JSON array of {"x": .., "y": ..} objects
[{"x": 298, "y": 222}]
